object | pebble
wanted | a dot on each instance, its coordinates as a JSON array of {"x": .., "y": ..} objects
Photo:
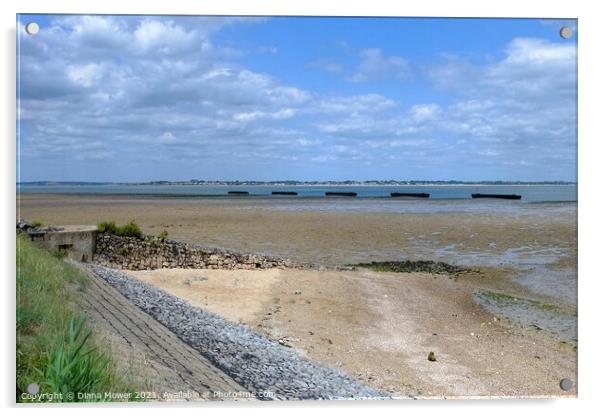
[{"x": 229, "y": 347}]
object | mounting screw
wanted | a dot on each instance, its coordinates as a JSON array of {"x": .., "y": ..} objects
[
  {"x": 32, "y": 28},
  {"x": 566, "y": 32},
  {"x": 566, "y": 384},
  {"x": 33, "y": 388}
]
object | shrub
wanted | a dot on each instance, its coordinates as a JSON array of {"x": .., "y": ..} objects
[
  {"x": 131, "y": 229},
  {"x": 37, "y": 223},
  {"x": 107, "y": 227},
  {"x": 163, "y": 235}
]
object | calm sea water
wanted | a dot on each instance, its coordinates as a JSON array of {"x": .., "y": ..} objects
[{"x": 530, "y": 193}]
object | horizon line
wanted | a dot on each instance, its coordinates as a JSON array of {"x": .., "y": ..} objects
[{"x": 196, "y": 181}]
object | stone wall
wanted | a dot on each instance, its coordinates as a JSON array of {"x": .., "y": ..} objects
[{"x": 149, "y": 252}]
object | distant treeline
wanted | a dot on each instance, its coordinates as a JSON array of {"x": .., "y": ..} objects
[
  {"x": 57, "y": 183},
  {"x": 301, "y": 183}
]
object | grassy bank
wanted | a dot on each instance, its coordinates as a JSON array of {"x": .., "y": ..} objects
[{"x": 56, "y": 348}]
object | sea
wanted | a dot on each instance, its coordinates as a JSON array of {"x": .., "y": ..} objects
[{"x": 529, "y": 193}]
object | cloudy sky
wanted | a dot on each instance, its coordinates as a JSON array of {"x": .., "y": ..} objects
[{"x": 126, "y": 98}]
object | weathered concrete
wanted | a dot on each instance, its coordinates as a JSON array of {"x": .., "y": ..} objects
[{"x": 78, "y": 242}]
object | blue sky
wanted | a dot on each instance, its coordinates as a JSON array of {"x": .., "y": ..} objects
[{"x": 137, "y": 98}]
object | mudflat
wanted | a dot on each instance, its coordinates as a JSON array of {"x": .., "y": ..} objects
[
  {"x": 536, "y": 247},
  {"x": 319, "y": 236}
]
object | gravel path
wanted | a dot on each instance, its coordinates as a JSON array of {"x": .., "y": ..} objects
[{"x": 264, "y": 367}]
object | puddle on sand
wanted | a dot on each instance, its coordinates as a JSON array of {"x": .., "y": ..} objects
[
  {"x": 538, "y": 315},
  {"x": 560, "y": 284},
  {"x": 533, "y": 265}
]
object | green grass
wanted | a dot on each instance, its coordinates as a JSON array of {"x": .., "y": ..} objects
[
  {"x": 59, "y": 253},
  {"x": 108, "y": 227},
  {"x": 37, "y": 223},
  {"x": 56, "y": 348},
  {"x": 131, "y": 229}
]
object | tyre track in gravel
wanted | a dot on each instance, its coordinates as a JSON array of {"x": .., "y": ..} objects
[{"x": 179, "y": 367}]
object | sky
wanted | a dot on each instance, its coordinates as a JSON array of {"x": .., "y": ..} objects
[{"x": 140, "y": 98}]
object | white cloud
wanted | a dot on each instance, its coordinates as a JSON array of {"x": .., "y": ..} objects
[
  {"x": 151, "y": 34},
  {"x": 532, "y": 68},
  {"x": 355, "y": 103},
  {"x": 523, "y": 51},
  {"x": 85, "y": 75},
  {"x": 375, "y": 66},
  {"x": 488, "y": 152},
  {"x": 326, "y": 64},
  {"x": 256, "y": 115},
  {"x": 521, "y": 105},
  {"x": 307, "y": 142},
  {"x": 425, "y": 112},
  {"x": 167, "y": 138},
  {"x": 323, "y": 158}
]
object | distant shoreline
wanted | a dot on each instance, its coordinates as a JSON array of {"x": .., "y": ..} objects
[
  {"x": 295, "y": 184},
  {"x": 528, "y": 192}
]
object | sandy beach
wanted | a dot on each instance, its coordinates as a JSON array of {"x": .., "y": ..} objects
[{"x": 379, "y": 327}]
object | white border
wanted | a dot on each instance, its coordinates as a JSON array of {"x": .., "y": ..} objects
[
  {"x": 458, "y": 8},
  {"x": 590, "y": 354}
]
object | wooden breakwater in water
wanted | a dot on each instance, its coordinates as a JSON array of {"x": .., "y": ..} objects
[{"x": 340, "y": 193}]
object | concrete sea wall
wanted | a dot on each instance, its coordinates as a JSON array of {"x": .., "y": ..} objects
[{"x": 78, "y": 242}]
